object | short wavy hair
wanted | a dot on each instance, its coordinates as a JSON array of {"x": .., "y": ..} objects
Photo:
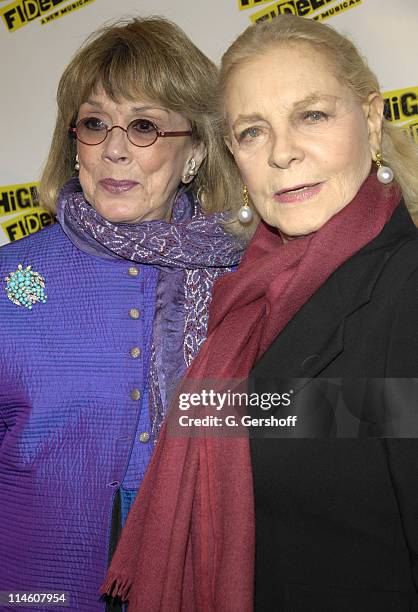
[
  {"x": 147, "y": 57},
  {"x": 398, "y": 151}
]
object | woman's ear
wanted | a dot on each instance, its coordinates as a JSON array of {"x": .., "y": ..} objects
[
  {"x": 199, "y": 154},
  {"x": 373, "y": 109},
  {"x": 194, "y": 162}
]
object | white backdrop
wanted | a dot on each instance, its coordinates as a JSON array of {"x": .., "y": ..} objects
[{"x": 34, "y": 55}]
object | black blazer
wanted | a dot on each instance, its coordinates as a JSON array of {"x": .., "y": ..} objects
[{"x": 337, "y": 519}]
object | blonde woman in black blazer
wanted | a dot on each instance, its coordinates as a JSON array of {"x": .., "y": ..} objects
[{"x": 321, "y": 514}]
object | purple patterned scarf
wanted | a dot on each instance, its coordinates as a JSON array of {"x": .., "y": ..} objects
[{"x": 191, "y": 252}]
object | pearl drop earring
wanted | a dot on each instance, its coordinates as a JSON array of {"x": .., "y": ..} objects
[
  {"x": 76, "y": 165},
  {"x": 245, "y": 214},
  {"x": 384, "y": 173}
]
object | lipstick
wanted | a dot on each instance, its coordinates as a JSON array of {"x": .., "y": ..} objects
[
  {"x": 299, "y": 193},
  {"x": 114, "y": 186}
]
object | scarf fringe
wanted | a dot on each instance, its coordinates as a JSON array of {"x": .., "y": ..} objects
[{"x": 116, "y": 585}]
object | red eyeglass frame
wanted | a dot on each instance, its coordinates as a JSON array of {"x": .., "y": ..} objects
[{"x": 72, "y": 130}]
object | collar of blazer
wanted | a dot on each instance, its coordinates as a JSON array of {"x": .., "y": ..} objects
[{"x": 314, "y": 337}]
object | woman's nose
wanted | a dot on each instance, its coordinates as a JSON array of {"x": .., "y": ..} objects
[
  {"x": 117, "y": 147},
  {"x": 285, "y": 149}
]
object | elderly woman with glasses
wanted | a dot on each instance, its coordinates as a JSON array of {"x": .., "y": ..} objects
[{"x": 102, "y": 312}]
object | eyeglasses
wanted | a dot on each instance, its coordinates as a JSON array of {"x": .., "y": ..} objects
[{"x": 140, "y": 132}]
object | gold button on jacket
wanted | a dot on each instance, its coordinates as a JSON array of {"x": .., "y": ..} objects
[{"x": 134, "y": 313}]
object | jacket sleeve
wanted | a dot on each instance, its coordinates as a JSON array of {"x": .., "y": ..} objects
[
  {"x": 402, "y": 453},
  {"x": 3, "y": 428}
]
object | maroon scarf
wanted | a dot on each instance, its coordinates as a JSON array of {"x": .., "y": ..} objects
[{"x": 188, "y": 544}]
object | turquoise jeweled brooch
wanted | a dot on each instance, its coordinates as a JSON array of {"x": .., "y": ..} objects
[{"x": 25, "y": 287}]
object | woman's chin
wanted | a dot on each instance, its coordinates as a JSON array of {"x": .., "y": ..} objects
[
  {"x": 297, "y": 227},
  {"x": 117, "y": 214}
]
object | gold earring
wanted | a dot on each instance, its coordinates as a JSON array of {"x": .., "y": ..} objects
[{"x": 245, "y": 214}]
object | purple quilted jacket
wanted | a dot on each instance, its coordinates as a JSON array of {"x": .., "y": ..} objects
[{"x": 72, "y": 415}]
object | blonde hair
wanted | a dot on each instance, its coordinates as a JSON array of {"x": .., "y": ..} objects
[
  {"x": 398, "y": 151},
  {"x": 149, "y": 58}
]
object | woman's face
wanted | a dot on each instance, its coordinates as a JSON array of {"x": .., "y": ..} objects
[
  {"x": 302, "y": 142},
  {"x": 126, "y": 183}
]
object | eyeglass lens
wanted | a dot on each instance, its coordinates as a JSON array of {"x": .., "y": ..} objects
[{"x": 92, "y": 130}]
